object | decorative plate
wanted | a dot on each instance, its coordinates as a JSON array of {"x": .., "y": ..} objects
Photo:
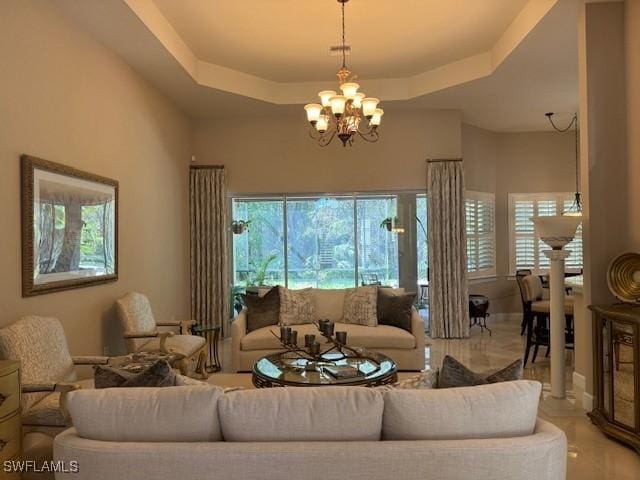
[{"x": 623, "y": 277}]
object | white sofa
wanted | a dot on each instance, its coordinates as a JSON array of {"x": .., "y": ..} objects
[
  {"x": 488, "y": 432},
  {"x": 405, "y": 348}
]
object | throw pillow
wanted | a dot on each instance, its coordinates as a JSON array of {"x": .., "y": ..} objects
[
  {"x": 263, "y": 311},
  {"x": 395, "y": 310},
  {"x": 160, "y": 374},
  {"x": 423, "y": 380},
  {"x": 455, "y": 374},
  {"x": 296, "y": 306},
  {"x": 360, "y": 306},
  {"x": 511, "y": 372},
  {"x": 109, "y": 377}
]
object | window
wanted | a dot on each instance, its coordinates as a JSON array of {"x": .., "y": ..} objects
[
  {"x": 421, "y": 239},
  {"x": 310, "y": 241},
  {"x": 526, "y": 249},
  {"x": 481, "y": 237}
]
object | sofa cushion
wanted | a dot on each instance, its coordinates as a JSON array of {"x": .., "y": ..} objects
[
  {"x": 360, "y": 306},
  {"x": 296, "y": 306},
  {"x": 498, "y": 410},
  {"x": 301, "y": 414},
  {"x": 172, "y": 414},
  {"x": 395, "y": 310},
  {"x": 382, "y": 336},
  {"x": 263, "y": 311},
  {"x": 328, "y": 303}
]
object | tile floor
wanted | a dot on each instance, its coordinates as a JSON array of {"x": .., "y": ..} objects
[{"x": 591, "y": 455}]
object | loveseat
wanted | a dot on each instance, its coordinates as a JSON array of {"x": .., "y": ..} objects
[
  {"x": 404, "y": 347},
  {"x": 487, "y": 432}
]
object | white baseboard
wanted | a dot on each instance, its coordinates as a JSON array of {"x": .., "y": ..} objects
[
  {"x": 579, "y": 385},
  {"x": 587, "y": 402}
]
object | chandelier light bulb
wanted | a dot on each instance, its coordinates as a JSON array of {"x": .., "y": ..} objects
[
  {"x": 323, "y": 123},
  {"x": 325, "y": 97},
  {"x": 313, "y": 112},
  {"x": 337, "y": 105},
  {"x": 349, "y": 89},
  {"x": 369, "y": 106},
  {"x": 376, "y": 119},
  {"x": 357, "y": 100}
]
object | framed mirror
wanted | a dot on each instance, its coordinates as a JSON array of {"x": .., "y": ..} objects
[{"x": 69, "y": 227}]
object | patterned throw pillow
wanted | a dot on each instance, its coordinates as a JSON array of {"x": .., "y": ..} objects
[
  {"x": 296, "y": 306},
  {"x": 160, "y": 374},
  {"x": 455, "y": 374},
  {"x": 360, "y": 306},
  {"x": 395, "y": 309},
  {"x": 263, "y": 311}
]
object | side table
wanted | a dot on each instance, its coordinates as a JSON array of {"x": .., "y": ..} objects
[{"x": 212, "y": 335}]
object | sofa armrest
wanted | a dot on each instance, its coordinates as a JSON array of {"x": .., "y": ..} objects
[
  {"x": 184, "y": 325},
  {"x": 238, "y": 331},
  {"x": 417, "y": 329},
  {"x": 90, "y": 360}
]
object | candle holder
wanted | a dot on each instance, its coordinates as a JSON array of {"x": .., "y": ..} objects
[{"x": 312, "y": 350}]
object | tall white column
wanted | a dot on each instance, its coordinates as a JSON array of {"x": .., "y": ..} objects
[{"x": 557, "y": 322}]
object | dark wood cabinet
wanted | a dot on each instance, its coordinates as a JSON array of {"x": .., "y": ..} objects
[{"x": 616, "y": 344}]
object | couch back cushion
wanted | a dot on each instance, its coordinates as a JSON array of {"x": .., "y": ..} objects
[
  {"x": 329, "y": 303},
  {"x": 301, "y": 414},
  {"x": 170, "y": 414},
  {"x": 498, "y": 410}
]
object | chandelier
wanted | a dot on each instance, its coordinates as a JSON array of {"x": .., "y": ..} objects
[{"x": 344, "y": 115}]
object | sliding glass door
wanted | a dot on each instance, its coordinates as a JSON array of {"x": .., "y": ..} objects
[{"x": 320, "y": 242}]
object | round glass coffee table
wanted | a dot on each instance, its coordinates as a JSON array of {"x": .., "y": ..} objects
[{"x": 288, "y": 369}]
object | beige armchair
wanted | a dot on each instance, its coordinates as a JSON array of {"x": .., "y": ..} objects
[
  {"x": 141, "y": 334},
  {"x": 47, "y": 371}
]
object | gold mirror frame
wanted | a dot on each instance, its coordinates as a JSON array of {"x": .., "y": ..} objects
[{"x": 28, "y": 165}]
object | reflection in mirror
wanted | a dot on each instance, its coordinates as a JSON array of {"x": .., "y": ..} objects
[{"x": 623, "y": 373}]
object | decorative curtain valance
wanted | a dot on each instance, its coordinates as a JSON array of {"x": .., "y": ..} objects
[
  {"x": 448, "y": 290},
  {"x": 209, "y": 251}
]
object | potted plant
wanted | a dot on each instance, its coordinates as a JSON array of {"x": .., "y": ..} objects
[
  {"x": 239, "y": 226},
  {"x": 389, "y": 223},
  {"x": 261, "y": 270}
]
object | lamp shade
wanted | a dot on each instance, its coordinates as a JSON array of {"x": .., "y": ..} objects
[
  {"x": 357, "y": 100},
  {"x": 349, "y": 89},
  {"x": 325, "y": 97},
  {"x": 369, "y": 106},
  {"x": 337, "y": 104},
  {"x": 377, "y": 117},
  {"x": 313, "y": 111},
  {"x": 556, "y": 231},
  {"x": 323, "y": 123}
]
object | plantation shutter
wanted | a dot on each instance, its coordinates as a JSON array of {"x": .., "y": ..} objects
[
  {"x": 526, "y": 248},
  {"x": 480, "y": 217}
]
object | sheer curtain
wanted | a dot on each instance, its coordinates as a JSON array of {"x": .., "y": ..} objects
[
  {"x": 209, "y": 252},
  {"x": 448, "y": 291}
]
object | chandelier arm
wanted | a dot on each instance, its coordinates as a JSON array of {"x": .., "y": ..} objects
[
  {"x": 371, "y": 136},
  {"x": 324, "y": 140}
]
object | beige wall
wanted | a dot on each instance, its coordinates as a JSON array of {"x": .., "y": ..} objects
[
  {"x": 632, "y": 45},
  {"x": 274, "y": 154},
  {"x": 604, "y": 154},
  {"x": 506, "y": 163},
  {"x": 66, "y": 98}
]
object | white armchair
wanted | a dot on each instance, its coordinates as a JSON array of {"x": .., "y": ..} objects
[
  {"x": 141, "y": 334},
  {"x": 47, "y": 371}
]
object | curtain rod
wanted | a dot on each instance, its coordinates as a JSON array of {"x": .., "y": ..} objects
[
  {"x": 438, "y": 160},
  {"x": 203, "y": 167}
]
